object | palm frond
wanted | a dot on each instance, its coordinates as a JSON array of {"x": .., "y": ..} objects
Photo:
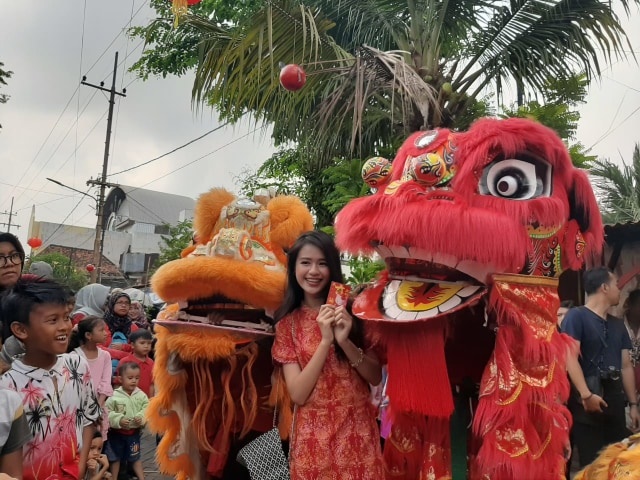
[
  {"x": 377, "y": 74},
  {"x": 619, "y": 187},
  {"x": 535, "y": 39}
]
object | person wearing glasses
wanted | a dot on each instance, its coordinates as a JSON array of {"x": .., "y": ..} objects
[
  {"x": 602, "y": 375},
  {"x": 11, "y": 264},
  {"x": 11, "y": 260}
]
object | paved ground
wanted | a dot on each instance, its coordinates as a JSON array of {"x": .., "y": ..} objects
[{"x": 148, "y": 448}]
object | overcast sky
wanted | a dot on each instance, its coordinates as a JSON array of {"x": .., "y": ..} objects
[{"x": 41, "y": 43}]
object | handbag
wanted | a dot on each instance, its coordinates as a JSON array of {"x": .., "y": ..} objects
[{"x": 264, "y": 457}]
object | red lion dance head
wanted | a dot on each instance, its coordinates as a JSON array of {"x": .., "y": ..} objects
[{"x": 474, "y": 229}]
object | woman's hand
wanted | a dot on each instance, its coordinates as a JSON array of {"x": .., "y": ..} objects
[
  {"x": 343, "y": 324},
  {"x": 326, "y": 322}
]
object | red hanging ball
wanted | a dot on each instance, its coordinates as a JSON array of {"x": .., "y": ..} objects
[
  {"x": 292, "y": 77},
  {"x": 193, "y": 2},
  {"x": 34, "y": 242},
  {"x": 90, "y": 267}
]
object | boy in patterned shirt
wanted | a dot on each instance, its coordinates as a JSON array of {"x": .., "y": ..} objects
[
  {"x": 55, "y": 387},
  {"x": 14, "y": 433}
]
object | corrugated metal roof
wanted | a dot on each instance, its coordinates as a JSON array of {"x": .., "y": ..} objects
[{"x": 147, "y": 206}]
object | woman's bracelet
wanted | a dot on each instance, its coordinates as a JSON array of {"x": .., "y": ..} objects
[
  {"x": 360, "y": 359},
  {"x": 587, "y": 397}
]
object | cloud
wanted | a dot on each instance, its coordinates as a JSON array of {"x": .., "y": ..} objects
[{"x": 42, "y": 45}]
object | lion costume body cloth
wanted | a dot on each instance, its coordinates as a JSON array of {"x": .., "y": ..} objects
[
  {"x": 474, "y": 229},
  {"x": 213, "y": 354}
]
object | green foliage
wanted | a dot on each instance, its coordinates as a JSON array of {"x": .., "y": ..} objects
[
  {"x": 178, "y": 239},
  {"x": 289, "y": 172},
  {"x": 362, "y": 270},
  {"x": 558, "y": 112},
  {"x": 344, "y": 183},
  {"x": 284, "y": 172},
  {"x": 4, "y": 75},
  {"x": 174, "y": 51},
  {"x": 619, "y": 188},
  {"x": 63, "y": 270}
]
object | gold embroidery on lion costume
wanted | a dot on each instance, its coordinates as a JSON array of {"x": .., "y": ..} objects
[
  {"x": 619, "y": 461},
  {"x": 213, "y": 363}
]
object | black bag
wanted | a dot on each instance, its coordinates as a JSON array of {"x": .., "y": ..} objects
[
  {"x": 594, "y": 383},
  {"x": 264, "y": 457}
]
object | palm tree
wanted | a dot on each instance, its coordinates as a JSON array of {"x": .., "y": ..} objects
[
  {"x": 378, "y": 69},
  {"x": 619, "y": 188}
]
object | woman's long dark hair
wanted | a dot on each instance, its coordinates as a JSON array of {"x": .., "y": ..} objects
[
  {"x": 79, "y": 335},
  {"x": 294, "y": 294}
]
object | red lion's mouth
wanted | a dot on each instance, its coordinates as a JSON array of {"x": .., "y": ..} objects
[{"x": 421, "y": 285}]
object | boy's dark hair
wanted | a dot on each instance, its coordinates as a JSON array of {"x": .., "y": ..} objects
[
  {"x": 567, "y": 304},
  {"x": 140, "y": 334},
  {"x": 127, "y": 365},
  {"x": 24, "y": 296},
  {"x": 96, "y": 434},
  {"x": 594, "y": 278}
]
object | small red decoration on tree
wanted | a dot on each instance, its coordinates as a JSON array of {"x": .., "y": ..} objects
[
  {"x": 292, "y": 77},
  {"x": 90, "y": 267},
  {"x": 34, "y": 242},
  {"x": 181, "y": 7}
]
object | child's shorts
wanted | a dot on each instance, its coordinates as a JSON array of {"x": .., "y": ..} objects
[{"x": 123, "y": 448}]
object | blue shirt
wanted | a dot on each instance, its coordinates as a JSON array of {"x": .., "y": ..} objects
[{"x": 601, "y": 341}]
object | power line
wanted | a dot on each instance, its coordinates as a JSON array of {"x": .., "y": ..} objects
[
  {"x": 623, "y": 84},
  {"x": 84, "y": 19},
  {"x": 126, "y": 55},
  {"x": 614, "y": 129},
  {"x": 34, "y": 190},
  {"x": 172, "y": 151},
  {"x": 33, "y": 178},
  {"x": 82, "y": 142},
  {"x": 76, "y": 91},
  {"x": 65, "y": 218},
  {"x": 44, "y": 142},
  {"x": 200, "y": 158},
  {"x": 116, "y": 38}
]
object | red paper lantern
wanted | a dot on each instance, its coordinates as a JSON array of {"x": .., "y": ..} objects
[
  {"x": 292, "y": 77},
  {"x": 34, "y": 242},
  {"x": 90, "y": 267}
]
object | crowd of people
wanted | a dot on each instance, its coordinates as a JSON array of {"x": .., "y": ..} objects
[
  {"x": 77, "y": 375},
  {"x": 605, "y": 372},
  {"x": 77, "y": 372}
]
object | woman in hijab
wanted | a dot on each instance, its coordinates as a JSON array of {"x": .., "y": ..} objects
[
  {"x": 90, "y": 300},
  {"x": 118, "y": 322}
]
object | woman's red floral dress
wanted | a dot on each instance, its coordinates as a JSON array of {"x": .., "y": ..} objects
[{"x": 335, "y": 435}]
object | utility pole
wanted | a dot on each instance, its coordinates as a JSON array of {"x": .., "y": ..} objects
[
  {"x": 98, "y": 244},
  {"x": 11, "y": 213}
]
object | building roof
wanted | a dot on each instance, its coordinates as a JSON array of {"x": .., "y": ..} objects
[
  {"x": 622, "y": 232},
  {"x": 146, "y": 206}
]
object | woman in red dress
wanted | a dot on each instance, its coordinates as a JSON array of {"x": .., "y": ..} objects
[{"x": 327, "y": 369}]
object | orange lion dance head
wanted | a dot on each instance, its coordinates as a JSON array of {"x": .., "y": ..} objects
[{"x": 213, "y": 364}]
